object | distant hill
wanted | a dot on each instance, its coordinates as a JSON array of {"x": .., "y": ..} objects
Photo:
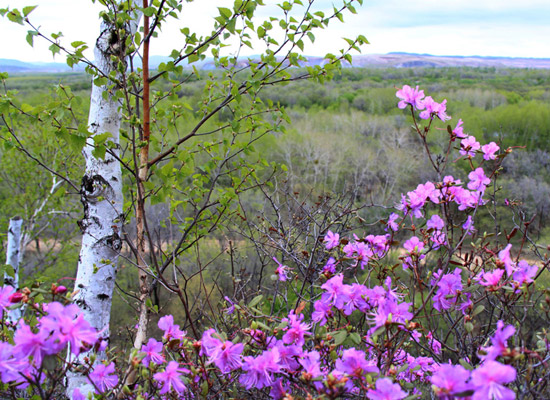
[
  {"x": 408, "y": 60},
  {"x": 395, "y": 60}
]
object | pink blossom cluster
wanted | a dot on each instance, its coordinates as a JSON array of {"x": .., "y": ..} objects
[{"x": 60, "y": 327}]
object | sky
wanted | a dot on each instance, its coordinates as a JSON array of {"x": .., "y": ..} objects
[{"x": 501, "y": 28}]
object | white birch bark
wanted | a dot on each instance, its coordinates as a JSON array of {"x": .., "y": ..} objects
[
  {"x": 12, "y": 259},
  {"x": 101, "y": 196}
]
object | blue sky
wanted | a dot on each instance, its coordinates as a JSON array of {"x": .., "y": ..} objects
[{"x": 439, "y": 27}]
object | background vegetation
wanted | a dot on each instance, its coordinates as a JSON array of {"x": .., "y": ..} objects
[{"x": 343, "y": 159}]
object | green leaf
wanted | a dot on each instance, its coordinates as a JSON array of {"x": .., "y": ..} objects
[
  {"x": 225, "y": 12},
  {"x": 355, "y": 338},
  {"x": 77, "y": 142},
  {"x": 465, "y": 364},
  {"x": 261, "y": 32},
  {"x": 77, "y": 43},
  {"x": 8, "y": 270},
  {"x": 30, "y": 37},
  {"x": 339, "y": 337},
  {"x": 99, "y": 152},
  {"x": 54, "y": 48},
  {"x": 256, "y": 300},
  {"x": 149, "y": 11},
  {"x": 15, "y": 16},
  {"x": 27, "y": 10},
  {"x": 27, "y": 108},
  {"x": 101, "y": 138},
  {"x": 479, "y": 309}
]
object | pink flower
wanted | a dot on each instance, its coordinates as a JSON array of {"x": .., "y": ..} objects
[
  {"x": 67, "y": 325},
  {"x": 279, "y": 390},
  {"x": 413, "y": 245},
  {"x": 32, "y": 345},
  {"x": 171, "y": 378},
  {"x": 355, "y": 299},
  {"x": 379, "y": 245},
  {"x": 353, "y": 363},
  {"x": 10, "y": 366},
  {"x": 499, "y": 341},
  {"x": 434, "y": 343},
  {"x": 360, "y": 251},
  {"x": 322, "y": 311},
  {"x": 259, "y": 370},
  {"x": 468, "y": 225},
  {"x": 449, "y": 285},
  {"x": 330, "y": 267},
  {"x": 295, "y": 330},
  {"x": 489, "y": 151},
  {"x": 525, "y": 272},
  {"x": 428, "y": 191},
  {"x": 435, "y": 222},
  {"x": 335, "y": 295},
  {"x": 438, "y": 238},
  {"x": 394, "y": 226},
  {"x": 450, "y": 379},
  {"x": 5, "y": 301},
  {"x": 331, "y": 240},
  {"x": 171, "y": 330},
  {"x": 458, "y": 131},
  {"x": 490, "y": 278},
  {"x": 311, "y": 364},
  {"x": 153, "y": 352},
  {"x": 104, "y": 377},
  {"x": 433, "y": 108},
  {"x": 209, "y": 342},
  {"x": 390, "y": 308},
  {"x": 386, "y": 390},
  {"x": 478, "y": 180},
  {"x": 488, "y": 381},
  {"x": 410, "y": 96},
  {"x": 281, "y": 271},
  {"x": 469, "y": 146},
  {"x": 504, "y": 256},
  {"x": 287, "y": 354},
  {"x": 227, "y": 356}
]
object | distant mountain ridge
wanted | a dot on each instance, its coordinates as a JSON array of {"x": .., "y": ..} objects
[{"x": 396, "y": 60}]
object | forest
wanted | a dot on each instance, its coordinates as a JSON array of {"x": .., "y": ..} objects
[
  {"x": 356, "y": 110},
  {"x": 269, "y": 230}
]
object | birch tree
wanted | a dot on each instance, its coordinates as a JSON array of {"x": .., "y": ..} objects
[
  {"x": 101, "y": 191},
  {"x": 11, "y": 277}
]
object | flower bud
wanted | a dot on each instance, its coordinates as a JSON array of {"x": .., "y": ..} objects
[
  {"x": 60, "y": 290},
  {"x": 16, "y": 297}
]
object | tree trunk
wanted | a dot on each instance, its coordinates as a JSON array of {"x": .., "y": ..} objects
[
  {"x": 141, "y": 334},
  {"x": 101, "y": 196},
  {"x": 12, "y": 259}
]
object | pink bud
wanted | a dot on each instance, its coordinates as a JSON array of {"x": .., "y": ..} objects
[
  {"x": 60, "y": 290},
  {"x": 16, "y": 297}
]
